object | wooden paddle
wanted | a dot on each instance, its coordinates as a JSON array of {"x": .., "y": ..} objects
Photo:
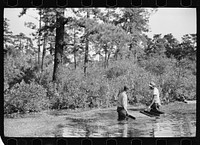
[{"x": 132, "y": 117}]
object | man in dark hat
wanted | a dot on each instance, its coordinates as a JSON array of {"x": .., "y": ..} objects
[
  {"x": 122, "y": 104},
  {"x": 155, "y": 104}
]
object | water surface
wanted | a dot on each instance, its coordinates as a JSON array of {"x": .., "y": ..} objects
[{"x": 105, "y": 124}]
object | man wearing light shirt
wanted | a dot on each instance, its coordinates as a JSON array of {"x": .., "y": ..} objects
[
  {"x": 122, "y": 105},
  {"x": 155, "y": 104}
]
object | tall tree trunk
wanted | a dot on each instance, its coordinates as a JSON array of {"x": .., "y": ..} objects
[
  {"x": 108, "y": 59},
  {"x": 86, "y": 56},
  {"x": 39, "y": 39},
  {"x": 105, "y": 63},
  {"x": 74, "y": 48},
  {"x": 86, "y": 49},
  {"x": 43, "y": 53},
  {"x": 58, "y": 44},
  {"x": 130, "y": 55}
]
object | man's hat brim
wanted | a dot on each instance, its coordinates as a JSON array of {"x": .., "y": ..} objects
[{"x": 150, "y": 85}]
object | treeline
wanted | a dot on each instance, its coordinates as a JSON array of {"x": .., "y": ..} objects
[{"x": 85, "y": 55}]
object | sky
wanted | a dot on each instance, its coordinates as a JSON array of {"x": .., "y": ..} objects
[{"x": 178, "y": 21}]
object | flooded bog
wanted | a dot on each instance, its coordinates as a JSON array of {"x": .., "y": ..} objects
[{"x": 105, "y": 124}]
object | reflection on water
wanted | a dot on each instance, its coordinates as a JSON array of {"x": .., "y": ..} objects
[{"x": 106, "y": 125}]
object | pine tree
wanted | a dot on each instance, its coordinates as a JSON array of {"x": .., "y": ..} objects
[
  {"x": 87, "y": 22},
  {"x": 135, "y": 21}
]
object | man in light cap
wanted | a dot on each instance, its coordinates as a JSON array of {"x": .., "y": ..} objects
[{"x": 155, "y": 104}]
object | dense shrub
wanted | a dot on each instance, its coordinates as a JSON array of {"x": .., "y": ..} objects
[
  {"x": 157, "y": 65},
  {"x": 11, "y": 71},
  {"x": 114, "y": 72},
  {"x": 19, "y": 68},
  {"x": 45, "y": 77},
  {"x": 177, "y": 81},
  {"x": 174, "y": 78},
  {"x": 100, "y": 87},
  {"x": 24, "y": 97},
  {"x": 67, "y": 93},
  {"x": 187, "y": 87}
]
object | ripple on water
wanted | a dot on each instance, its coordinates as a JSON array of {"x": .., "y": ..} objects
[{"x": 172, "y": 125}]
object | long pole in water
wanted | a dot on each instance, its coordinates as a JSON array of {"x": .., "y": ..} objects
[{"x": 131, "y": 116}]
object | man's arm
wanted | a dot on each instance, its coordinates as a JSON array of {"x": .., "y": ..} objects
[
  {"x": 152, "y": 102},
  {"x": 125, "y": 102}
]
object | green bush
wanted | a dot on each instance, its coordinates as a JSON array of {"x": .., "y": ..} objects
[
  {"x": 26, "y": 98},
  {"x": 177, "y": 81},
  {"x": 157, "y": 65},
  {"x": 19, "y": 68},
  {"x": 68, "y": 93},
  {"x": 101, "y": 86},
  {"x": 11, "y": 72},
  {"x": 114, "y": 72},
  {"x": 187, "y": 87}
]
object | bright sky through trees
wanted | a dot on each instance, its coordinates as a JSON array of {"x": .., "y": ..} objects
[{"x": 178, "y": 21}]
